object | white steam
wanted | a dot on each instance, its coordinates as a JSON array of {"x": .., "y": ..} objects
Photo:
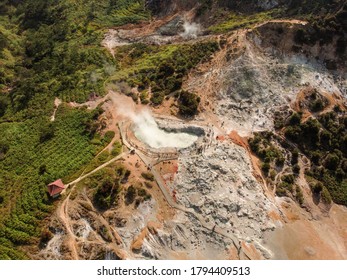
[
  {"x": 191, "y": 30},
  {"x": 147, "y": 130},
  {"x": 145, "y": 127}
]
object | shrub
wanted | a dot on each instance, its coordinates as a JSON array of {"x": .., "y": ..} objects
[
  {"x": 46, "y": 235},
  {"x": 280, "y": 191},
  {"x": 295, "y": 156},
  {"x": 109, "y": 135},
  {"x": 317, "y": 188},
  {"x": 317, "y": 105},
  {"x": 148, "y": 185},
  {"x": 106, "y": 193},
  {"x": 148, "y": 176},
  {"x": 316, "y": 157},
  {"x": 293, "y": 133},
  {"x": 157, "y": 98},
  {"x": 299, "y": 195},
  {"x": 332, "y": 161},
  {"x": 325, "y": 196},
  {"x": 290, "y": 179},
  {"x": 188, "y": 103},
  {"x": 280, "y": 161},
  {"x": 294, "y": 119},
  {"x": 265, "y": 168},
  {"x": 130, "y": 195}
]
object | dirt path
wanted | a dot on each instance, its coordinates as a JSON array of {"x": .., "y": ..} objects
[
  {"x": 57, "y": 103},
  {"x": 63, "y": 215},
  {"x": 63, "y": 209},
  {"x": 97, "y": 169}
]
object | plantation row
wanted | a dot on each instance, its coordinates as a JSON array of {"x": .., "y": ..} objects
[{"x": 31, "y": 162}]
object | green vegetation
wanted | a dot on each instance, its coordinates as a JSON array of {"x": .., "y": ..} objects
[
  {"x": 267, "y": 146},
  {"x": 324, "y": 141},
  {"x": 130, "y": 195},
  {"x": 161, "y": 68},
  {"x": 148, "y": 176},
  {"x": 30, "y": 161},
  {"x": 53, "y": 49},
  {"x": 236, "y": 21},
  {"x": 136, "y": 194},
  {"x": 325, "y": 29},
  {"x": 50, "y": 49},
  {"x": 106, "y": 185},
  {"x": 11, "y": 51},
  {"x": 263, "y": 146},
  {"x": 106, "y": 193},
  {"x": 188, "y": 103}
]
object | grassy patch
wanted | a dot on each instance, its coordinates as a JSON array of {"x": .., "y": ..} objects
[
  {"x": 236, "y": 21},
  {"x": 160, "y": 67}
]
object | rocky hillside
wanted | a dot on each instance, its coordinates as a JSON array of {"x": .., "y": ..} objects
[{"x": 263, "y": 83}]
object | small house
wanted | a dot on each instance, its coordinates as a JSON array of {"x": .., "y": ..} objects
[{"x": 55, "y": 188}]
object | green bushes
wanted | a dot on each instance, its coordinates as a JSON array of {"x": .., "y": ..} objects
[
  {"x": 188, "y": 103},
  {"x": 261, "y": 145},
  {"x": 48, "y": 49},
  {"x": 130, "y": 195},
  {"x": 265, "y": 167},
  {"x": 136, "y": 194},
  {"x": 148, "y": 176},
  {"x": 116, "y": 149},
  {"x": 236, "y": 21},
  {"x": 325, "y": 196},
  {"x": 106, "y": 193},
  {"x": 109, "y": 135},
  {"x": 332, "y": 161},
  {"x": 323, "y": 141},
  {"x": 160, "y": 68}
]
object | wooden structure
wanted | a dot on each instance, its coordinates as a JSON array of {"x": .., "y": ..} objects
[{"x": 55, "y": 188}]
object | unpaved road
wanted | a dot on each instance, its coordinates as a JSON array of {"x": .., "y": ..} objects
[{"x": 63, "y": 209}]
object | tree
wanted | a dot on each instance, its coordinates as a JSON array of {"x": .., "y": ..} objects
[
  {"x": 3, "y": 105},
  {"x": 332, "y": 161},
  {"x": 295, "y": 119},
  {"x": 188, "y": 103},
  {"x": 317, "y": 188},
  {"x": 265, "y": 168},
  {"x": 130, "y": 195},
  {"x": 46, "y": 133},
  {"x": 42, "y": 169},
  {"x": 325, "y": 138}
]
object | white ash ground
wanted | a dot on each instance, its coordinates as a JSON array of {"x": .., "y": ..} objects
[
  {"x": 257, "y": 83},
  {"x": 219, "y": 184}
]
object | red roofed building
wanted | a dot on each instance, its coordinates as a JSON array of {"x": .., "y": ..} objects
[{"x": 55, "y": 188}]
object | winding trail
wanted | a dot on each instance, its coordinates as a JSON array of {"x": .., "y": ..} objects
[{"x": 62, "y": 211}]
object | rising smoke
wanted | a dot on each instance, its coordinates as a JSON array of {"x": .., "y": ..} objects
[
  {"x": 145, "y": 127},
  {"x": 191, "y": 30},
  {"x": 148, "y": 131}
]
